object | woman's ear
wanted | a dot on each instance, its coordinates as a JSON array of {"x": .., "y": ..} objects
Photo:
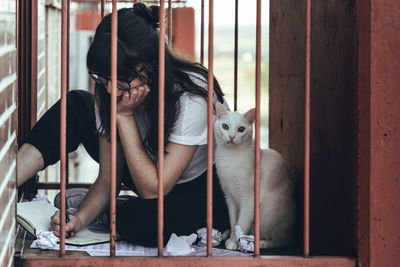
[
  {"x": 250, "y": 115},
  {"x": 220, "y": 110}
]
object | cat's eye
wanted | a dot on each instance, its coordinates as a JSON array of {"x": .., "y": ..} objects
[
  {"x": 225, "y": 126},
  {"x": 241, "y": 129}
]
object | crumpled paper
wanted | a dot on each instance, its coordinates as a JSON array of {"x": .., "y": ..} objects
[
  {"x": 45, "y": 240},
  {"x": 245, "y": 242},
  {"x": 180, "y": 245},
  {"x": 41, "y": 197},
  {"x": 216, "y": 236}
]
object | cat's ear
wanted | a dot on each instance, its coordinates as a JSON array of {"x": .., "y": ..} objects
[
  {"x": 250, "y": 115},
  {"x": 220, "y": 109}
]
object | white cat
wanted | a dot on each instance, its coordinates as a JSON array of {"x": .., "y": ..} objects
[{"x": 234, "y": 158}]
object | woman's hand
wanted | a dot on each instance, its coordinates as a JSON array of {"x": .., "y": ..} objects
[
  {"x": 74, "y": 224},
  {"x": 132, "y": 99}
]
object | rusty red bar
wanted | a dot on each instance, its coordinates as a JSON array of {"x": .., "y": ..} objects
[
  {"x": 160, "y": 159},
  {"x": 202, "y": 33},
  {"x": 129, "y": 1},
  {"x": 306, "y": 245},
  {"x": 69, "y": 185},
  {"x": 135, "y": 261},
  {"x": 102, "y": 8},
  {"x": 236, "y": 56},
  {"x": 63, "y": 123},
  {"x": 68, "y": 45},
  {"x": 257, "y": 136},
  {"x": 210, "y": 124},
  {"x": 113, "y": 125},
  {"x": 170, "y": 23},
  {"x": 67, "y": 77}
]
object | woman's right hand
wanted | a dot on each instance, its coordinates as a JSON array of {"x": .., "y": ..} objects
[
  {"x": 73, "y": 226},
  {"x": 132, "y": 99}
]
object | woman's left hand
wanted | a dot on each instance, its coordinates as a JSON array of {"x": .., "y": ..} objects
[{"x": 132, "y": 99}]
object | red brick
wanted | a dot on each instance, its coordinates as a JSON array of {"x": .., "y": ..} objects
[
  {"x": 8, "y": 64},
  {"x": 9, "y": 156},
  {"x": 6, "y": 98},
  {"x": 4, "y": 199}
]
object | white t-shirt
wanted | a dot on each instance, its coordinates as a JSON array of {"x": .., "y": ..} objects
[{"x": 190, "y": 128}]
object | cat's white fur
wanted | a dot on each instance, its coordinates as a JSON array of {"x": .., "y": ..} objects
[{"x": 234, "y": 158}]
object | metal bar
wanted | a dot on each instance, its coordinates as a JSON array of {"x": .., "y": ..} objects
[
  {"x": 306, "y": 245},
  {"x": 67, "y": 64},
  {"x": 68, "y": 44},
  {"x": 102, "y": 8},
  {"x": 257, "y": 136},
  {"x": 130, "y": 1},
  {"x": 22, "y": 127},
  {"x": 113, "y": 126},
  {"x": 274, "y": 261},
  {"x": 27, "y": 78},
  {"x": 236, "y": 56},
  {"x": 63, "y": 124},
  {"x": 202, "y": 33},
  {"x": 160, "y": 158},
  {"x": 23, "y": 74},
  {"x": 170, "y": 23},
  {"x": 69, "y": 185},
  {"x": 210, "y": 125}
]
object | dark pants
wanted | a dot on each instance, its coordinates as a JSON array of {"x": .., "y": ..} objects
[{"x": 184, "y": 206}]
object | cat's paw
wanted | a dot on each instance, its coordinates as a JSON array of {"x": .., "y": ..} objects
[
  {"x": 231, "y": 244},
  {"x": 226, "y": 234}
]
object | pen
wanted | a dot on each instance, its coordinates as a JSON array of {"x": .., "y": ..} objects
[{"x": 67, "y": 216}]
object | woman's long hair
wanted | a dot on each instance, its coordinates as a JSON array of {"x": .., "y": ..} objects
[{"x": 138, "y": 47}]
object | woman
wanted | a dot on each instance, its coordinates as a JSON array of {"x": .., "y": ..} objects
[{"x": 185, "y": 130}]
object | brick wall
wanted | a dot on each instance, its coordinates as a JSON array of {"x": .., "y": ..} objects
[{"x": 8, "y": 143}]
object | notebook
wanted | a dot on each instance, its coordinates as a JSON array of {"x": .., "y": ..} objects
[{"x": 35, "y": 216}]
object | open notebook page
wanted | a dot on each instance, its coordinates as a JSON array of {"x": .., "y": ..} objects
[{"x": 38, "y": 214}]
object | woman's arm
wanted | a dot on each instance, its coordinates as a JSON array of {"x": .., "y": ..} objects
[
  {"x": 98, "y": 198},
  {"x": 142, "y": 168}
]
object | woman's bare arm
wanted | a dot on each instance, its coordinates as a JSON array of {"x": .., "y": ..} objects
[
  {"x": 98, "y": 198},
  {"x": 142, "y": 168}
]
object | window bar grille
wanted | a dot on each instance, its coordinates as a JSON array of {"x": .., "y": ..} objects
[
  {"x": 306, "y": 245},
  {"x": 113, "y": 125},
  {"x": 102, "y": 4},
  {"x": 235, "y": 81},
  {"x": 67, "y": 77},
  {"x": 160, "y": 158},
  {"x": 170, "y": 23},
  {"x": 210, "y": 125},
  {"x": 68, "y": 46},
  {"x": 257, "y": 136},
  {"x": 202, "y": 34},
  {"x": 63, "y": 122}
]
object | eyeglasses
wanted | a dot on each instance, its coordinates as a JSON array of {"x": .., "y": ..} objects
[{"x": 124, "y": 85}]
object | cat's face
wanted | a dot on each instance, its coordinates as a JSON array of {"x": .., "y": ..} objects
[{"x": 233, "y": 128}]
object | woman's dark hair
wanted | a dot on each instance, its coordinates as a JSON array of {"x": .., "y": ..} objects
[{"x": 138, "y": 47}]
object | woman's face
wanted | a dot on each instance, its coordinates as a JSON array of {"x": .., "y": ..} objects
[{"x": 123, "y": 85}]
